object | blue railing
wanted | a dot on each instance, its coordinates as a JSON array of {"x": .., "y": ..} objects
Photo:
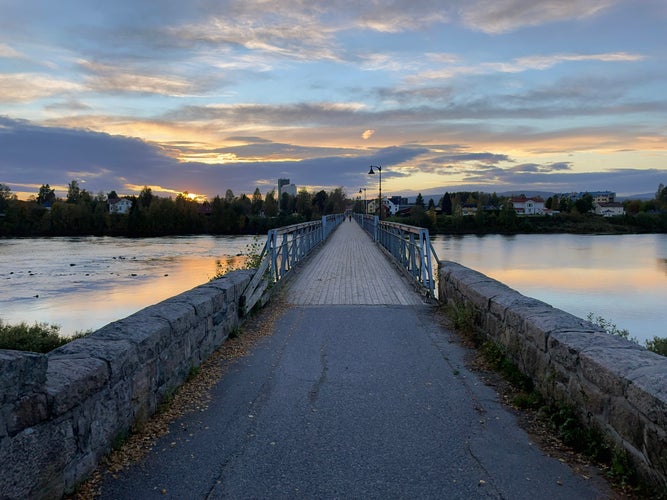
[
  {"x": 410, "y": 247},
  {"x": 285, "y": 247}
]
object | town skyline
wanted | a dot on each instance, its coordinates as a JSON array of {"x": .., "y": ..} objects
[{"x": 508, "y": 96}]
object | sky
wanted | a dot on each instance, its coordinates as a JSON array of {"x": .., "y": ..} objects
[{"x": 202, "y": 96}]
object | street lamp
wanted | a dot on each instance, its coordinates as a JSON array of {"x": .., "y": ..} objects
[
  {"x": 365, "y": 204},
  {"x": 372, "y": 172}
]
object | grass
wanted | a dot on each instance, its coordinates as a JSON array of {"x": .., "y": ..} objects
[{"x": 40, "y": 337}]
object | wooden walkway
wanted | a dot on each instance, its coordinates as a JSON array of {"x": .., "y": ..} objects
[{"x": 350, "y": 269}]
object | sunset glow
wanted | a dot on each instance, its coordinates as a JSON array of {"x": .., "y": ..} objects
[{"x": 513, "y": 95}]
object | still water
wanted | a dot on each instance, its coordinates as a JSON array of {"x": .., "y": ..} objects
[
  {"x": 85, "y": 283},
  {"x": 622, "y": 278}
]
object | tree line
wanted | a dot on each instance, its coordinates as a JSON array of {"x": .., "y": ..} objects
[
  {"x": 496, "y": 214},
  {"x": 82, "y": 213}
]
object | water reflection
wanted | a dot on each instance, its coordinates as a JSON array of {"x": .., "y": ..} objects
[
  {"x": 610, "y": 276},
  {"x": 85, "y": 283}
]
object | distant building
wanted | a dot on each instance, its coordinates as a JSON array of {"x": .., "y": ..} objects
[
  {"x": 610, "y": 209},
  {"x": 598, "y": 196},
  {"x": 389, "y": 205},
  {"x": 120, "y": 206},
  {"x": 284, "y": 186},
  {"x": 398, "y": 200},
  {"x": 528, "y": 206}
]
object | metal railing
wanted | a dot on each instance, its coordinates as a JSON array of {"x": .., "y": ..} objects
[
  {"x": 285, "y": 247},
  {"x": 410, "y": 247}
]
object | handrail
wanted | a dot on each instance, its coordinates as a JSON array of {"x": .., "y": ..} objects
[
  {"x": 285, "y": 247},
  {"x": 409, "y": 246}
]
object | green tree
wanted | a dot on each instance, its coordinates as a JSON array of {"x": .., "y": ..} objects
[
  {"x": 447, "y": 204},
  {"x": 420, "y": 201},
  {"x": 256, "y": 202},
  {"x": 661, "y": 197},
  {"x": 565, "y": 204},
  {"x": 303, "y": 203},
  {"x": 336, "y": 202},
  {"x": 146, "y": 197},
  {"x": 584, "y": 204},
  {"x": 6, "y": 197},
  {"x": 320, "y": 202},
  {"x": 271, "y": 204},
  {"x": 73, "y": 192},
  {"x": 46, "y": 195},
  {"x": 508, "y": 217}
]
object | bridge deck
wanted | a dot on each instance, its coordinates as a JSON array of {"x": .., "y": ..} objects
[{"x": 350, "y": 269}]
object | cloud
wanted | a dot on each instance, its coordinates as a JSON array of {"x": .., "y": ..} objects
[
  {"x": 502, "y": 16},
  {"x": 34, "y": 155},
  {"x": 25, "y": 87},
  {"x": 367, "y": 134},
  {"x": 523, "y": 64},
  {"x": 9, "y": 52}
]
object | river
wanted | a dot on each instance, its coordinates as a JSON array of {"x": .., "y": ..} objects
[
  {"x": 84, "y": 283},
  {"x": 622, "y": 278}
]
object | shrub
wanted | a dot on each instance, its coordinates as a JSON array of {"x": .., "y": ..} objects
[
  {"x": 40, "y": 337},
  {"x": 657, "y": 345}
]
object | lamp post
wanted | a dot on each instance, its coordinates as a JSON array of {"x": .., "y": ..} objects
[
  {"x": 365, "y": 204},
  {"x": 372, "y": 172}
]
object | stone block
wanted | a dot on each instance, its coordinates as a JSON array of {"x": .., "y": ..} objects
[
  {"x": 608, "y": 366},
  {"x": 647, "y": 390},
  {"x": 148, "y": 333},
  {"x": 120, "y": 355},
  {"x": 21, "y": 373},
  {"x": 180, "y": 315},
  {"x": 71, "y": 381}
]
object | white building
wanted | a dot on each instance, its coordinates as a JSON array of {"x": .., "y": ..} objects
[
  {"x": 120, "y": 206},
  {"x": 389, "y": 205},
  {"x": 610, "y": 209},
  {"x": 528, "y": 206},
  {"x": 284, "y": 187}
]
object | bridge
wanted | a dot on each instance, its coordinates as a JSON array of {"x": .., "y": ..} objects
[
  {"x": 360, "y": 390},
  {"x": 358, "y": 393}
]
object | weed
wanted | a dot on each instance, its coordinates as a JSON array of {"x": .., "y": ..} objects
[
  {"x": 657, "y": 345},
  {"x": 528, "y": 400},
  {"x": 253, "y": 254},
  {"x": 234, "y": 333},
  {"x": 194, "y": 371},
  {"x": 462, "y": 317},
  {"x": 119, "y": 439}
]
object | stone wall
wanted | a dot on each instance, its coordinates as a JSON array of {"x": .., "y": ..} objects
[
  {"x": 61, "y": 412},
  {"x": 615, "y": 384}
]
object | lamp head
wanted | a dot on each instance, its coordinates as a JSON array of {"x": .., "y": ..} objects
[{"x": 371, "y": 171}]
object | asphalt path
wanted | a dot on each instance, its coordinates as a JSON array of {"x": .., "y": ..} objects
[{"x": 351, "y": 401}]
